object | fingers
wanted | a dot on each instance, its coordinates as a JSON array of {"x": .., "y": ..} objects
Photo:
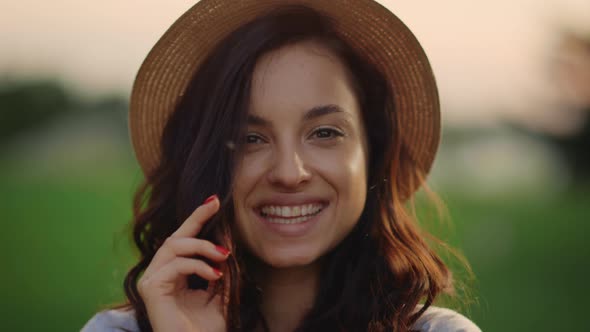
[
  {"x": 182, "y": 266},
  {"x": 193, "y": 224},
  {"x": 186, "y": 247},
  {"x": 175, "y": 259},
  {"x": 172, "y": 276}
]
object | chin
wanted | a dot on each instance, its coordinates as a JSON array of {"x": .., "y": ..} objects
[{"x": 283, "y": 260}]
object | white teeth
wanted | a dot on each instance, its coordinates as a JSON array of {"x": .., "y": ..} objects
[
  {"x": 288, "y": 221},
  {"x": 291, "y": 211}
]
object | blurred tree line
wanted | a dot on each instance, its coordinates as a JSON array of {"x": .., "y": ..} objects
[{"x": 28, "y": 105}]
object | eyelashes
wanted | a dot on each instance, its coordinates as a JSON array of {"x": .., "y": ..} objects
[
  {"x": 327, "y": 133},
  {"x": 323, "y": 134},
  {"x": 251, "y": 138}
]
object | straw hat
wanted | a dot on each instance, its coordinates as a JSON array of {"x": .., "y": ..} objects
[{"x": 371, "y": 29}]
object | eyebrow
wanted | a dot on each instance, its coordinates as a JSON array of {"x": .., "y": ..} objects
[{"x": 313, "y": 113}]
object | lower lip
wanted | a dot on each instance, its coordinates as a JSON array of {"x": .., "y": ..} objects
[{"x": 292, "y": 230}]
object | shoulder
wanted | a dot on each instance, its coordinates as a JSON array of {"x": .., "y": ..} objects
[
  {"x": 437, "y": 319},
  {"x": 112, "y": 321}
]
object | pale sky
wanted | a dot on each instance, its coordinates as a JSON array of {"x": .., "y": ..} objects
[{"x": 488, "y": 56}]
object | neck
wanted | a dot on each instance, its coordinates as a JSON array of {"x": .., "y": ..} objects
[{"x": 288, "y": 295}]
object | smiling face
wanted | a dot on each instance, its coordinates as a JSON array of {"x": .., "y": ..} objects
[{"x": 300, "y": 186}]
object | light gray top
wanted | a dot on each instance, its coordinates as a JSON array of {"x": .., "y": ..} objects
[{"x": 435, "y": 319}]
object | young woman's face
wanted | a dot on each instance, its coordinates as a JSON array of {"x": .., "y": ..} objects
[{"x": 301, "y": 184}]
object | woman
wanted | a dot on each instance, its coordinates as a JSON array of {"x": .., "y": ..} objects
[{"x": 308, "y": 125}]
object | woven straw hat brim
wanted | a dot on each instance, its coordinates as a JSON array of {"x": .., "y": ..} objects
[{"x": 371, "y": 29}]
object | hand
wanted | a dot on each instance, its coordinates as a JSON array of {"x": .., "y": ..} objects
[{"x": 170, "y": 304}]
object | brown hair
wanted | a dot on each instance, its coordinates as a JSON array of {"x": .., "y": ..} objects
[{"x": 375, "y": 278}]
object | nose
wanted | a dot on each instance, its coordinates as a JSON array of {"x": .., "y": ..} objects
[{"x": 288, "y": 169}]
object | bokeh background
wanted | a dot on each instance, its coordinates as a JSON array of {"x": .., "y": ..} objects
[{"x": 514, "y": 167}]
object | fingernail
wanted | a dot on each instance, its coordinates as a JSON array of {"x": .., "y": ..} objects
[
  {"x": 219, "y": 273},
  {"x": 222, "y": 250},
  {"x": 209, "y": 199}
]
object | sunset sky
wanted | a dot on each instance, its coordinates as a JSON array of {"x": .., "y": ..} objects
[{"x": 489, "y": 56}]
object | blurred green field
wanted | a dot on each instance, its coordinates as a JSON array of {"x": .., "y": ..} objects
[{"x": 65, "y": 249}]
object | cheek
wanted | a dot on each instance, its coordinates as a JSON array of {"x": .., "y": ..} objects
[
  {"x": 354, "y": 184},
  {"x": 345, "y": 168},
  {"x": 249, "y": 173},
  {"x": 245, "y": 180},
  {"x": 346, "y": 171}
]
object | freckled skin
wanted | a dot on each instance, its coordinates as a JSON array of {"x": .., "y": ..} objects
[{"x": 291, "y": 155}]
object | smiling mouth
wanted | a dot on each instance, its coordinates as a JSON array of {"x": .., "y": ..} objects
[{"x": 290, "y": 214}]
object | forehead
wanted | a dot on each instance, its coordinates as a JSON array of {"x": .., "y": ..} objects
[{"x": 299, "y": 77}]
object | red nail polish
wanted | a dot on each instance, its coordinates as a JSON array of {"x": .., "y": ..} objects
[
  {"x": 219, "y": 273},
  {"x": 209, "y": 199},
  {"x": 222, "y": 250}
]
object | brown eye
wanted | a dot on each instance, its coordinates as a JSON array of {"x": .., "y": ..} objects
[
  {"x": 327, "y": 133},
  {"x": 253, "y": 139}
]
